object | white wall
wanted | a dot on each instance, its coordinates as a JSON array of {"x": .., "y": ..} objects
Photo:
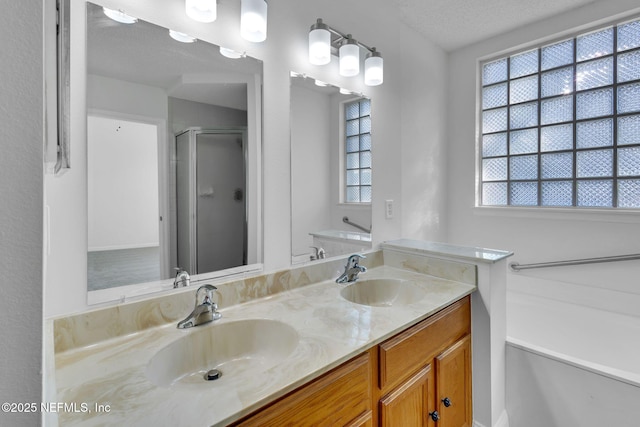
[
  {"x": 104, "y": 93},
  {"x": 410, "y": 94},
  {"x": 311, "y": 141},
  {"x": 184, "y": 114},
  {"x": 537, "y": 235},
  {"x": 122, "y": 164},
  {"x": 21, "y": 208}
]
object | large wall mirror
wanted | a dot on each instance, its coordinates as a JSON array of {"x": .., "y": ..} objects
[
  {"x": 173, "y": 149},
  {"x": 330, "y": 170}
]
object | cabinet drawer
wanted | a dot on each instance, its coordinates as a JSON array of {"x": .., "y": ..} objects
[
  {"x": 410, "y": 350},
  {"x": 338, "y": 398}
]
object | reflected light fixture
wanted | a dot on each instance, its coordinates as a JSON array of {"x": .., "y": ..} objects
[
  {"x": 181, "y": 37},
  {"x": 201, "y": 10},
  {"x": 325, "y": 41},
  {"x": 230, "y": 53},
  {"x": 119, "y": 16},
  {"x": 253, "y": 20},
  {"x": 253, "y": 16}
]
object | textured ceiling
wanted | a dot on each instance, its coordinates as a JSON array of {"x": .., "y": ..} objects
[{"x": 455, "y": 23}]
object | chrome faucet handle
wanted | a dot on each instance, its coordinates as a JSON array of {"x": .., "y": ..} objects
[
  {"x": 319, "y": 253},
  {"x": 352, "y": 269},
  {"x": 352, "y": 261},
  {"x": 208, "y": 297},
  {"x": 182, "y": 277}
]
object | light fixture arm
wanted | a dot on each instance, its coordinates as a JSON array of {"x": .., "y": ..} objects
[
  {"x": 340, "y": 36},
  {"x": 325, "y": 41}
]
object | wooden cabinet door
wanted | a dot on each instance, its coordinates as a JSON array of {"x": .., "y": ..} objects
[
  {"x": 453, "y": 385},
  {"x": 408, "y": 404},
  {"x": 341, "y": 397}
]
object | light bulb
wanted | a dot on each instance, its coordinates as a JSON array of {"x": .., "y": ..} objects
[
  {"x": 319, "y": 44},
  {"x": 119, "y": 16},
  {"x": 373, "y": 69},
  {"x": 349, "y": 58},
  {"x": 253, "y": 20},
  {"x": 230, "y": 53},
  {"x": 181, "y": 37},
  {"x": 201, "y": 10}
]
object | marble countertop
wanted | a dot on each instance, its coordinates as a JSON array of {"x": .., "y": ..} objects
[
  {"x": 473, "y": 254},
  {"x": 331, "y": 330}
]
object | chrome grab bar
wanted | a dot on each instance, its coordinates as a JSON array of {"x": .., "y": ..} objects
[
  {"x": 345, "y": 219},
  {"x": 517, "y": 267}
]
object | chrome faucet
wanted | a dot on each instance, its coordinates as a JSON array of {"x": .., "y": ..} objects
[
  {"x": 205, "y": 311},
  {"x": 352, "y": 269},
  {"x": 319, "y": 253},
  {"x": 182, "y": 278}
]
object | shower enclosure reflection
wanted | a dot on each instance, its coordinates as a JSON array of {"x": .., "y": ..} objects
[
  {"x": 194, "y": 204},
  {"x": 211, "y": 211}
]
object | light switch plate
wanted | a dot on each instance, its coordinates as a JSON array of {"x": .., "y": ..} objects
[{"x": 388, "y": 209}]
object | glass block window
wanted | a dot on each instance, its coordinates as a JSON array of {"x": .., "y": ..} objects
[
  {"x": 357, "y": 116},
  {"x": 561, "y": 123}
]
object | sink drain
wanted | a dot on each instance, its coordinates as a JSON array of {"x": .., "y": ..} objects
[{"x": 212, "y": 375}]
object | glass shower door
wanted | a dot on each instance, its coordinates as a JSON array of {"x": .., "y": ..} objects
[{"x": 221, "y": 211}]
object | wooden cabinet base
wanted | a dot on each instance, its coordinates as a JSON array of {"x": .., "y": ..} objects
[{"x": 420, "y": 377}]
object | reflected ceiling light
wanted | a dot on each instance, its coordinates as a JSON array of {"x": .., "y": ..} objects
[
  {"x": 201, "y": 10},
  {"x": 319, "y": 44},
  {"x": 120, "y": 16},
  {"x": 181, "y": 37},
  {"x": 321, "y": 83},
  {"x": 253, "y": 20},
  {"x": 373, "y": 68},
  {"x": 345, "y": 91},
  {"x": 325, "y": 41},
  {"x": 230, "y": 53}
]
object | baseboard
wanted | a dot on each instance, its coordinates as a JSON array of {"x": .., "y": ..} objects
[{"x": 503, "y": 421}]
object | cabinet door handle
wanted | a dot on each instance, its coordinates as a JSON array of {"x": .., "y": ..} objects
[
  {"x": 447, "y": 402},
  {"x": 434, "y": 415}
]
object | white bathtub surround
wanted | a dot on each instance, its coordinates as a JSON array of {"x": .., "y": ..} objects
[
  {"x": 488, "y": 306},
  {"x": 339, "y": 242},
  {"x": 571, "y": 364},
  {"x": 103, "y": 356}
]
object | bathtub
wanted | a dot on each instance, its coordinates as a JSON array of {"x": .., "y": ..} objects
[{"x": 570, "y": 365}]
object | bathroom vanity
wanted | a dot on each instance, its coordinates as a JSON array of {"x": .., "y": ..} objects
[
  {"x": 392, "y": 349},
  {"x": 420, "y": 376}
]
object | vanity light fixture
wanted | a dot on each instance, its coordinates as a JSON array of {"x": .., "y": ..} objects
[
  {"x": 319, "y": 44},
  {"x": 181, "y": 37},
  {"x": 373, "y": 68},
  {"x": 253, "y": 20},
  {"x": 119, "y": 16},
  {"x": 325, "y": 41},
  {"x": 201, "y": 10},
  {"x": 349, "y": 57},
  {"x": 230, "y": 53}
]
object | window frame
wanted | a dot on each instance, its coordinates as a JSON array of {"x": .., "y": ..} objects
[{"x": 574, "y": 93}]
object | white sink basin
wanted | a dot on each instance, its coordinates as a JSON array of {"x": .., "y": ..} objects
[
  {"x": 382, "y": 292},
  {"x": 233, "y": 348}
]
